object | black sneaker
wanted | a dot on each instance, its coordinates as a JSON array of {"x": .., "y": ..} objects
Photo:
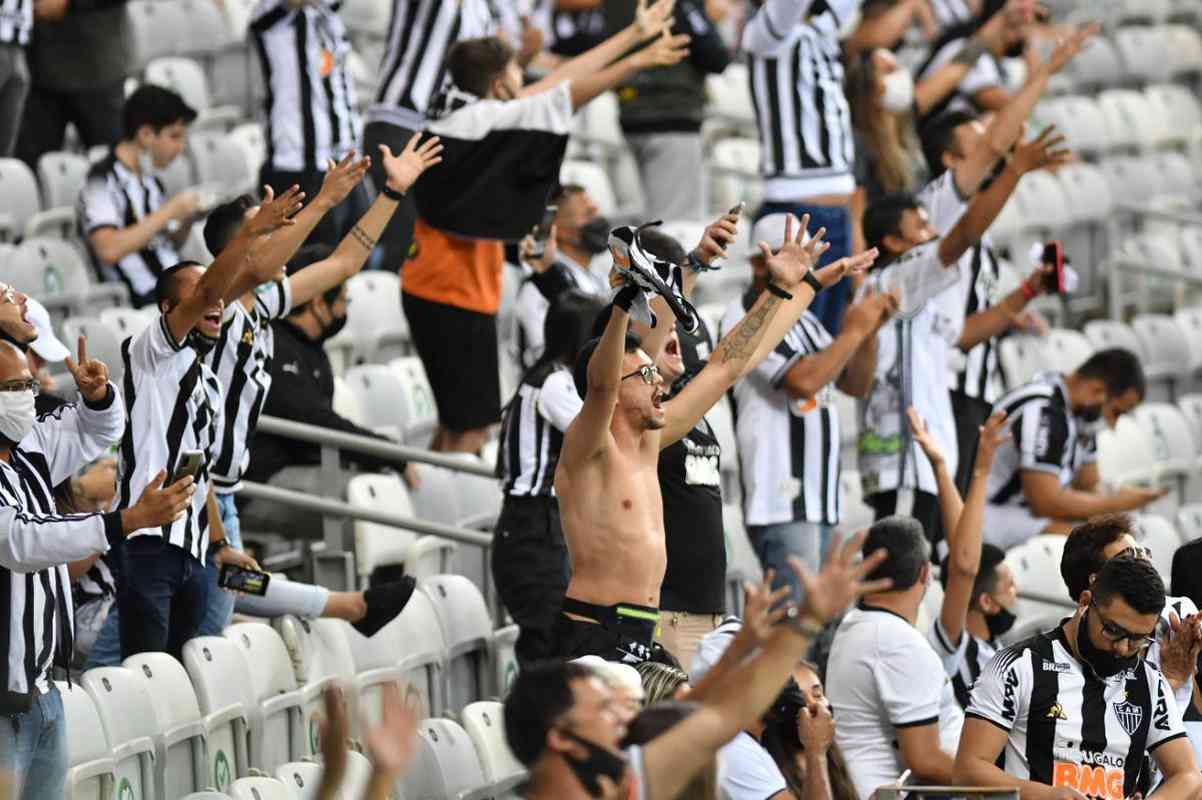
[{"x": 384, "y": 602}]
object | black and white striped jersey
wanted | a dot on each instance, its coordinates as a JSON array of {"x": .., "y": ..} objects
[
  {"x": 241, "y": 360},
  {"x": 413, "y": 69},
  {"x": 980, "y": 277},
  {"x": 174, "y": 406},
  {"x": 949, "y": 13},
  {"x": 1046, "y": 437},
  {"x": 1066, "y": 726},
  {"x": 532, "y": 431},
  {"x": 310, "y": 105},
  {"x": 36, "y": 543},
  {"x": 987, "y": 73},
  {"x": 114, "y": 196},
  {"x": 97, "y": 583},
  {"x": 788, "y": 449},
  {"x": 963, "y": 662},
  {"x": 16, "y": 21},
  {"x": 795, "y": 67}
]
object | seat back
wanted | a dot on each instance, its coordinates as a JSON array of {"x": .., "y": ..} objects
[
  {"x": 62, "y": 176},
  {"x": 180, "y": 761},
  {"x": 446, "y": 765},
  {"x": 1125, "y": 456},
  {"x": 90, "y": 770},
  {"x": 467, "y": 630},
  {"x": 1189, "y": 522},
  {"x": 1022, "y": 358},
  {"x": 854, "y": 514},
  {"x": 417, "y": 399},
  {"x": 422, "y": 651},
  {"x": 742, "y": 565},
  {"x": 594, "y": 180},
  {"x": 1108, "y": 333},
  {"x": 302, "y": 777},
  {"x": 103, "y": 343},
  {"x": 374, "y": 313},
  {"x": 1162, "y": 540},
  {"x": 484, "y": 722},
  {"x": 248, "y": 137},
  {"x": 260, "y": 789},
  {"x": 128, "y": 719},
  {"x": 375, "y": 544},
  {"x": 436, "y": 497},
  {"x": 19, "y": 188},
  {"x": 1191, "y": 407},
  {"x": 49, "y": 269},
  {"x": 272, "y": 678},
  {"x": 1066, "y": 349},
  {"x": 430, "y": 555},
  {"x": 223, "y": 688},
  {"x": 219, "y": 162},
  {"x": 125, "y": 322},
  {"x": 377, "y": 388},
  {"x": 1165, "y": 344},
  {"x": 183, "y": 76}
]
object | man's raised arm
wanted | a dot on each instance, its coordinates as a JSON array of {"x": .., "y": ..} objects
[{"x": 588, "y": 435}]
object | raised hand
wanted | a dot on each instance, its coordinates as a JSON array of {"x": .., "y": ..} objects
[
  {"x": 539, "y": 264},
  {"x": 1045, "y": 151},
  {"x": 841, "y": 581},
  {"x": 797, "y": 255},
  {"x": 664, "y": 51},
  {"x": 717, "y": 237},
  {"x": 405, "y": 168},
  {"x": 392, "y": 744},
  {"x": 652, "y": 20},
  {"x": 762, "y": 609},
  {"x": 815, "y": 728},
  {"x": 993, "y": 435},
  {"x": 275, "y": 212},
  {"x": 341, "y": 179},
  {"x": 922, "y": 435},
  {"x": 1068, "y": 47},
  {"x": 91, "y": 376},
  {"x": 158, "y": 506},
  {"x": 333, "y": 729},
  {"x": 1179, "y": 649}
]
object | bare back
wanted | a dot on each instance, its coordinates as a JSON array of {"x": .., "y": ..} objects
[{"x": 613, "y": 521}]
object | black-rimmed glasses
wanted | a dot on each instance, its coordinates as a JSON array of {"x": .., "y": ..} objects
[
  {"x": 648, "y": 372},
  {"x": 1118, "y": 634}
]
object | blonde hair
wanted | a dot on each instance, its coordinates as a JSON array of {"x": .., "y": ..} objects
[
  {"x": 890, "y": 137},
  {"x": 660, "y": 681}
]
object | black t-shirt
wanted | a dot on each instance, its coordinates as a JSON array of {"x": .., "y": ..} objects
[
  {"x": 576, "y": 32},
  {"x": 695, "y": 580}
]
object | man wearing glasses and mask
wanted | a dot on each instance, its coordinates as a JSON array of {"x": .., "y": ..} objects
[{"x": 1072, "y": 712}]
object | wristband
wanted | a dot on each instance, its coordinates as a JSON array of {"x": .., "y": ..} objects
[
  {"x": 625, "y": 297},
  {"x": 800, "y": 626},
  {"x": 1028, "y": 292},
  {"x": 813, "y": 282},
  {"x": 779, "y": 292},
  {"x": 698, "y": 266},
  {"x": 392, "y": 194},
  {"x": 216, "y": 547}
]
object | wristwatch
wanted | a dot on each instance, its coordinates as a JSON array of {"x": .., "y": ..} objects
[
  {"x": 216, "y": 547},
  {"x": 800, "y": 625}
]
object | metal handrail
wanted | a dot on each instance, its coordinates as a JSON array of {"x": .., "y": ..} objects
[
  {"x": 378, "y": 448},
  {"x": 340, "y": 508},
  {"x": 1166, "y": 214}
]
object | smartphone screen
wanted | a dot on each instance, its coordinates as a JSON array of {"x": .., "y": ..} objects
[
  {"x": 543, "y": 229},
  {"x": 244, "y": 580}
]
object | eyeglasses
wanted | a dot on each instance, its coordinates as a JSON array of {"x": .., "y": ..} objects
[
  {"x": 1137, "y": 551},
  {"x": 25, "y": 385},
  {"x": 1118, "y": 634},
  {"x": 648, "y": 372}
]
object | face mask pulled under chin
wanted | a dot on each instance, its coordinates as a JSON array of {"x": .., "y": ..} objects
[
  {"x": 594, "y": 235},
  {"x": 333, "y": 329},
  {"x": 1104, "y": 664},
  {"x": 600, "y": 763},
  {"x": 200, "y": 343},
  {"x": 899, "y": 91},
  {"x": 999, "y": 624},
  {"x": 1090, "y": 421},
  {"x": 17, "y": 415}
]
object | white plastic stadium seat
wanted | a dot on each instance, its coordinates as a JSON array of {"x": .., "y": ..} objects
[
  {"x": 158, "y": 30},
  {"x": 127, "y": 717},
  {"x": 302, "y": 777},
  {"x": 126, "y": 322},
  {"x": 856, "y": 515},
  {"x": 430, "y": 555},
  {"x": 467, "y": 631},
  {"x": 446, "y": 765},
  {"x": 1129, "y": 118},
  {"x": 422, "y": 654},
  {"x": 376, "y": 326},
  {"x": 594, "y": 180},
  {"x": 90, "y": 771},
  {"x": 1161, "y": 538},
  {"x": 1189, "y": 522},
  {"x": 1171, "y": 439},
  {"x": 742, "y": 565},
  {"x": 1143, "y": 50},
  {"x": 1191, "y": 407},
  {"x": 180, "y": 765},
  {"x": 260, "y": 789},
  {"x": 62, "y": 175},
  {"x": 320, "y": 658},
  {"x": 1108, "y": 333},
  {"x": 183, "y": 76},
  {"x": 1022, "y": 358},
  {"x": 1097, "y": 64},
  {"x": 346, "y": 402},
  {"x": 222, "y": 680},
  {"x": 1066, "y": 349},
  {"x": 379, "y": 545},
  {"x": 48, "y": 269},
  {"x": 220, "y": 163},
  {"x": 416, "y": 400},
  {"x": 1125, "y": 456},
  {"x": 1185, "y": 50},
  {"x": 485, "y": 724},
  {"x": 377, "y": 388},
  {"x": 1177, "y": 105},
  {"x": 248, "y": 137},
  {"x": 275, "y": 716},
  {"x": 103, "y": 344},
  {"x": 435, "y": 496},
  {"x": 19, "y": 188},
  {"x": 1166, "y": 347}
]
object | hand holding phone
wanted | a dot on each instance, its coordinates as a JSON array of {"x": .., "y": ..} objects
[
  {"x": 542, "y": 231},
  {"x": 248, "y": 581},
  {"x": 1053, "y": 256},
  {"x": 190, "y": 462}
]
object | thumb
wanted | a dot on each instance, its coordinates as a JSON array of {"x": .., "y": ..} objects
[
  {"x": 765, "y": 249},
  {"x": 385, "y": 151},
  {"x": 157, "y": 481}
]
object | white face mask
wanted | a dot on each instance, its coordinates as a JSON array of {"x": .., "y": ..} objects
[
  {"x": 16, "y": 414},
  {"x": 899, "y": 91}
]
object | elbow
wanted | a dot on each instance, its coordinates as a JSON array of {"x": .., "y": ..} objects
[
  {"x": 1044, "y": 507},
  {"x": 106, "y": 252}
]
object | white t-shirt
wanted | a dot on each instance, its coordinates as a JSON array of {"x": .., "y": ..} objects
[
  {"x": 882, "y": 675},
  {"x": 532, "y": 308},
  {"x": 746, "y": 771}
]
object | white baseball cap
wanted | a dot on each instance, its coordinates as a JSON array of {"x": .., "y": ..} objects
[
  {"x": 771, "y": 229},
  {"x": 47, "y": 345},
  {"x": 614, "y": 674}
]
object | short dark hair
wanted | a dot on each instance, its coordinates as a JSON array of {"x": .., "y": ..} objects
[
  {"x": 654, "y": 721},
  {"x": 1119, "y": 369},
  {"x": 580, "y": 369},
  {"x": 568, "y": 326},
  {"x": 905, "y": 542},
  {"x": 938, "y": 136},
  {"x": 541, "y": 693},
  {"x": 224, "y": 221},
  {"x": 1083, "y": 548},
  {"x": 167, "y": 285},
  {"x": 305, "y": 257},
  {"x": 1135, "y": 580},
  {"x": 992, "y": 557},
  {"x": 475, "y": 63},
  {"x": 884, "y": 216},
  {"x": 564, "y": 190},
  {"x": 154, "y": 106}
]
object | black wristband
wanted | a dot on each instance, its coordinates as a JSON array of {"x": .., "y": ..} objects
[
  {"x": 813, "y": 282},
  {"x": 392, "y": 194},
  {"x": 779, "y": 292},
  {"x": 216, "y": 547},
  {"x": 624, "y": 299}
]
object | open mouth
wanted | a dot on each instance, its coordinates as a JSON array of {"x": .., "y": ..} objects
[
  {"x": 672, "y": 348},
  {"x": 657, "y": 399},
  {"x": 213, "y": 318}
]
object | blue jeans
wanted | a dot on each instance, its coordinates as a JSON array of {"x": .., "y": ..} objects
[
  {"x": 219, "y": 609},
  {"x": 830, "y": 304},
  {"x": 33, "y": 749},
  {"x": 773, "y": 544},
  {"x": 161, "y": 597}
]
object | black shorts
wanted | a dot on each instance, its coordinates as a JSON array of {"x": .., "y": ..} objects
[
  {"x": 624, "y": 633},
  {"x": 458, "y": 348}
]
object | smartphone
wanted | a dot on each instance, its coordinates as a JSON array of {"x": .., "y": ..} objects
[
  {"x": 736, "y": 210},
  {"x": 190, "y": 462},
  {"x": 542, "y": 231},
  {"x": 238, "y": 579},
  {"x": 1053, "y": 255}
]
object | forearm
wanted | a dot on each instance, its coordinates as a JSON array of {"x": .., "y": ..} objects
[
  {"x": 730, "y": 659},
  {"x": 812, "y": 373},
  {"x": 965, "y": 547},
  {"x": 605, "y": 367},
  {"x": 754, "y": 337},
  {"x": 590, "y": 84},
  {"x": 349, "y": 257},
  {"x": 276, "y": 250},
  {"x": 885, "y": 29},
  {"x": 971, "y": 771},
  {"x": 1007, "y": 124},
  {"x": 931, "y": 90},
  {"x": 951, "y": 506},
  {"x": 783, "y": 316},
  {"x": 769, "y": 28},
  {"x": 587, "y": 63},
  {"x": 216, "y": 527},
  {"x": 113, "y": 244},
  {"x": 749, "y": 689},
  {"x": 861, "y": 369},
  {"x": 993, "y": 321},
  {"x": 380, "y": 787},
  {"x": 653, "y": 339},
  {"x": 1074, "y": 504},
  {"x": 979, "y": 215},
  {"x": 818, "y": 778},
  {"x": 32, "y": 543},
  {"x": 1182, "y": 786}
]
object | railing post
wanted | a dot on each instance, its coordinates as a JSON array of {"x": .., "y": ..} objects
[{"x": 333, "y": 567}]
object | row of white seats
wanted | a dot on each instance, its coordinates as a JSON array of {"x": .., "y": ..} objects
[{"x": 1160, "y": 116}]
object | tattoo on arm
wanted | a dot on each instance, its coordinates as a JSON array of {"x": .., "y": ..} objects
[
  {"x": 742, "y": 341},
  {"x": 365, "y": 241},
  {"x": 969, "y": 53}
]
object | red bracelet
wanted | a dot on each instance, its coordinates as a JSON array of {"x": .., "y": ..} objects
[{"x": 1028, "y": 292}]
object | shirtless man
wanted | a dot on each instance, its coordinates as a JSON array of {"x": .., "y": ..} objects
[{"x": 607, "y": 481}]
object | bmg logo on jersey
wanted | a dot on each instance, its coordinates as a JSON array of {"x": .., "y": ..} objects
[{"x": 1090, "y": 780}]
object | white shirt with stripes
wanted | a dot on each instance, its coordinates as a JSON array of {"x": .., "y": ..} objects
[
  {"x": 962, "y": 661},
  {"x": 115, "y": 196},
  {"x": 1066, "y": 726},
  {"x": 36, "y": 542},
  {"x": 16, "y": 21},
  {"x": 796, "y": 75},
  {"x": 532, "y": 431},
  {"x": 310, "y": 107},
  {"x": 175, "y": 405},
  {"x": 950, "y": 12},
  {"x": 532, "y": 307},
  {"x": 788, "y": 448},
  {"x": 986, "y": 73},
  {"x": 413, "y": 70},
  {"x": 241, "y": 360},
  {"x": 980, "y": 290}
]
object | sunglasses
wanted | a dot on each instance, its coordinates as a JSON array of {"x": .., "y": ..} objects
[
  {"x": 1117, "y": 634},
  {"x": 25, "y": 385},
  {"x": 648, "y": 372}
]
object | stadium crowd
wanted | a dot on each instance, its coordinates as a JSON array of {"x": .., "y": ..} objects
[{"x": 863, "y": 662}]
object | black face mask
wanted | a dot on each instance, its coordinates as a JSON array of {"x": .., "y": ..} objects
[
  {"x": 1090, "y": 414},
  {"x": 999, "y": 623},
  {"x": 333, "y": 329},
  {"x": 200, "y": 343},
  {"x": 1105, "y": 665},
  {"x": 599, "y": 763},
  {"x": 594, "y": 236}
]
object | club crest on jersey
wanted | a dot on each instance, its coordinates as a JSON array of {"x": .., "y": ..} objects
[
  {"x": 1057, "y": 712},
  {"x": 1129, "y": 716}
]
